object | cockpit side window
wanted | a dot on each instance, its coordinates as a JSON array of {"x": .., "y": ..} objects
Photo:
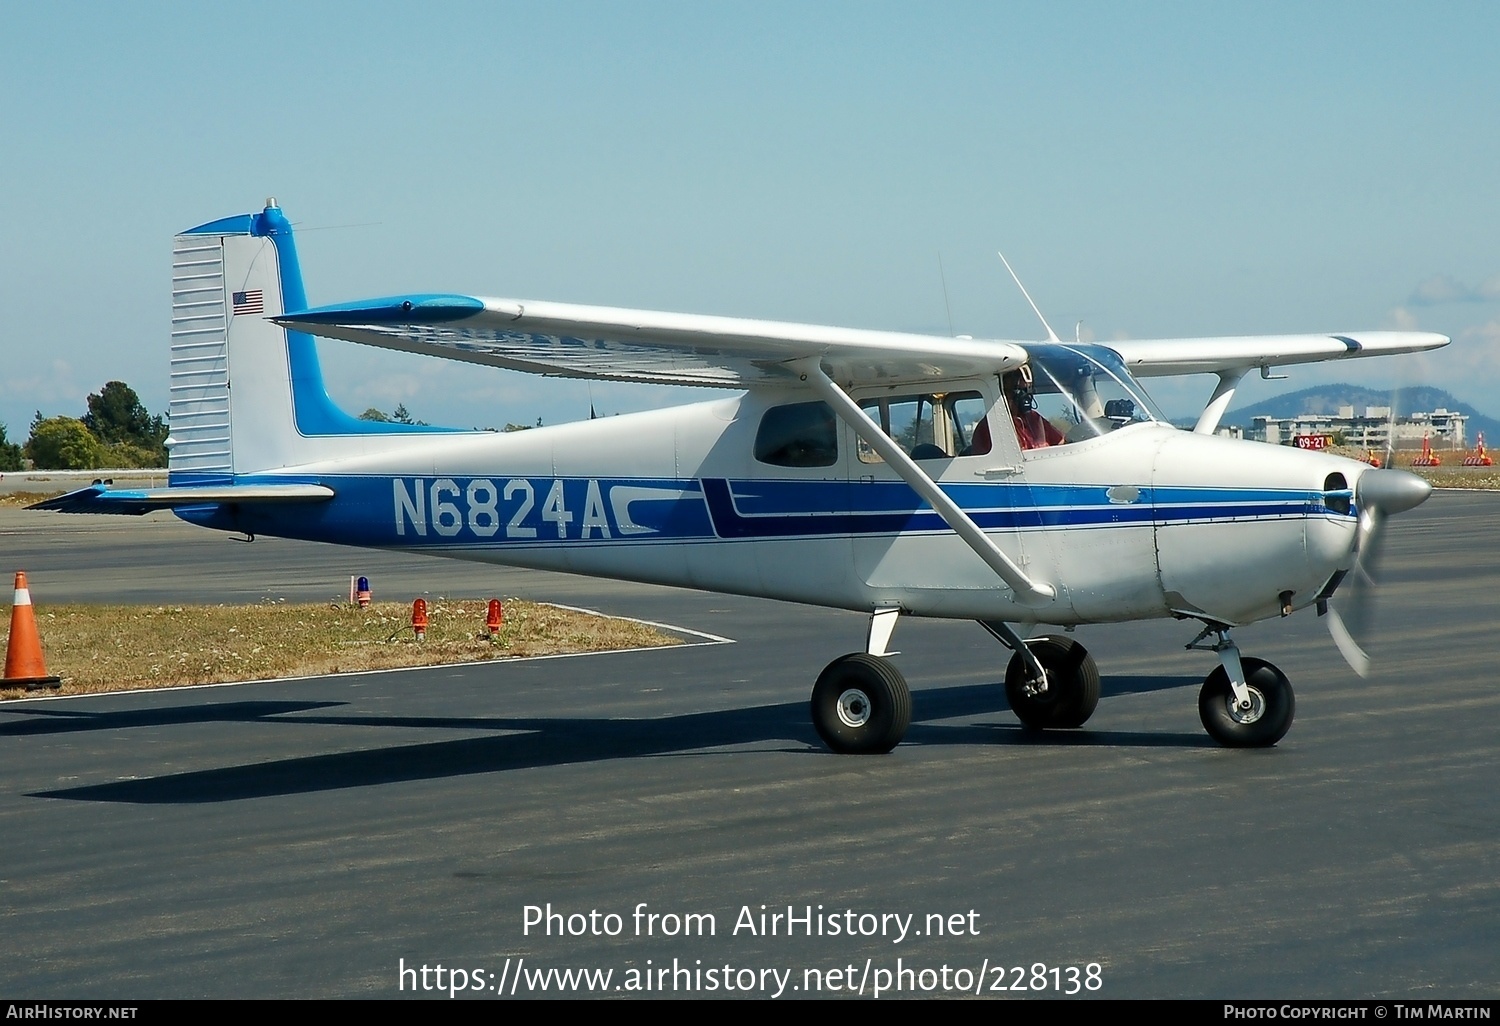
[
  {"x": 930, "y": 426},
  {"x": 798, "y": 435}
]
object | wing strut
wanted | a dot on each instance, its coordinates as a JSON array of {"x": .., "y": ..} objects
[
  {"x": 1229, "y": 380},
  {"x": 1028, "y": 592}
]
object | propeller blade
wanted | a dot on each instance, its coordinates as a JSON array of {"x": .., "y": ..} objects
[
  {"x": 1379, "y": 495},
  {"x": 1388, "y": 458},
  {"x": 1357, "y": 658},
  {"x": 1352, "y": 628}
]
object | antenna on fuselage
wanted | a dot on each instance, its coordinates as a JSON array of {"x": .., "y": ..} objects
[{"x": 1051, "y": 335}]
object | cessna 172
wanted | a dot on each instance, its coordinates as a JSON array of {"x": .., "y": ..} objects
[{"x": 1009, "y": 483}]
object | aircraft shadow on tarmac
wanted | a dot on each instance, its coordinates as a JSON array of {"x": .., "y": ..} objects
[
  {"x": 530, "y": 742},
  {"x": 50, "y": 720}
]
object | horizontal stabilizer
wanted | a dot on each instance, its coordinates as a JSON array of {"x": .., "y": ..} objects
[{"x": 101, "y": 498}]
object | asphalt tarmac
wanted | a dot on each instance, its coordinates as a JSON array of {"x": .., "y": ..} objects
[{"x": 314, "y": 838}]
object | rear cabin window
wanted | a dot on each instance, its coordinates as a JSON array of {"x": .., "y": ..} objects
[
  {"x": 929, "y": 427},
  {"x": 798, "y": 435}
]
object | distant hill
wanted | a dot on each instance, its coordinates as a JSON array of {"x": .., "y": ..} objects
[{"x": 1328, "y": 399}]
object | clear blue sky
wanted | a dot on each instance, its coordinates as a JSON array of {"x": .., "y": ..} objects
[{"x": 1150, "y": 169}]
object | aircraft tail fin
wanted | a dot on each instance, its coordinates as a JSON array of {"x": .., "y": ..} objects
[{"x": 247, "y": 396}]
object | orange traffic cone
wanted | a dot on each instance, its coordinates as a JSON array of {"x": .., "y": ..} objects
[{"x": 23, "y": 659}]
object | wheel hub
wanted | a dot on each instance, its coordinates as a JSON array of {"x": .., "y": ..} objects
[
  {"x": 1037, "y": 687},
  {"x": 854, "y": 708},
  {"x": 1251, "y": 711}
]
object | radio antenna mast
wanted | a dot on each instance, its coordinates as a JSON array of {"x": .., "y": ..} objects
[{"x": 1051, "y": 335}]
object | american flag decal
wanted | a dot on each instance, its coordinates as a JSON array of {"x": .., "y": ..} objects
[{"x": 248, "y": 302}]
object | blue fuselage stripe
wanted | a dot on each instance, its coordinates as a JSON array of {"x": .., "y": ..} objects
[{"x": 423, "y": 512}]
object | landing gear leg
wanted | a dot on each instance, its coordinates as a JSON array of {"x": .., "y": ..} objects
[{"x": 1244, "y": 703}]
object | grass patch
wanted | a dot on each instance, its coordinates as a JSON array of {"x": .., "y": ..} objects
[
  {"x": 1452, "y": 474},
  {"x": 117, "y": 648},
  {"x": 23, "y": 499},
  {"x": 1459, "y": 477}
]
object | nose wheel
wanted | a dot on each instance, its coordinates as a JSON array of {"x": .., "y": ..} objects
[{"x": 1259, "y": 718}]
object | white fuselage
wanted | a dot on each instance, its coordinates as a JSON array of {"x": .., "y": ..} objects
[{"x": 1147, "y": 521}]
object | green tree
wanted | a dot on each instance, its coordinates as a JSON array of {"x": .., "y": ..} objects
[
  {"x": 116, "y": 416},
  {"x": 10, "y": 453},
  {"x": 63, "y": 443},
  {"x": 123, "y": 455},
  {"x": 396, "y": 416}
]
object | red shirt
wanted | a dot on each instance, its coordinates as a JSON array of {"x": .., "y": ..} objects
[{"x": 1035, "y": 431}]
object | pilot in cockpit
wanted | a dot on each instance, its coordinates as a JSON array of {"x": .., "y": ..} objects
[{"x": 1033, "y": 430}]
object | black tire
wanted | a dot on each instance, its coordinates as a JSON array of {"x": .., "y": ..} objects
[
  {"x": 1263, "y": 725},
  {"x": 1072, "y": 692},
  {"x": 861, "y": 705}
]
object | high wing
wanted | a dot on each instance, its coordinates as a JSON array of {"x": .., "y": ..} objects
[
  {"x": 1161, "y": 357},
  {"x": 609, "y": 343},
  {"x": 1232, "y": 358},
  {"x": 606, "y": 343}
]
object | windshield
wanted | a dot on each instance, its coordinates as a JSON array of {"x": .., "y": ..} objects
[{"x": 1084, "y": 391}]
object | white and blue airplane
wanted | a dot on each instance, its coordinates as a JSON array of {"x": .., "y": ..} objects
[{"x": 1015, "y": 484}]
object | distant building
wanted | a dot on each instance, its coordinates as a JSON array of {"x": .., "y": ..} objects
[{"x": 1367, "y": 429}]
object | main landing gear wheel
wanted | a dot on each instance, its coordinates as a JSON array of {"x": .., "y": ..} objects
[
  {"x": 1267, "y": 719},
  {"x": 861, "y": 705},
  {"x": 1072, "y": 692}
]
